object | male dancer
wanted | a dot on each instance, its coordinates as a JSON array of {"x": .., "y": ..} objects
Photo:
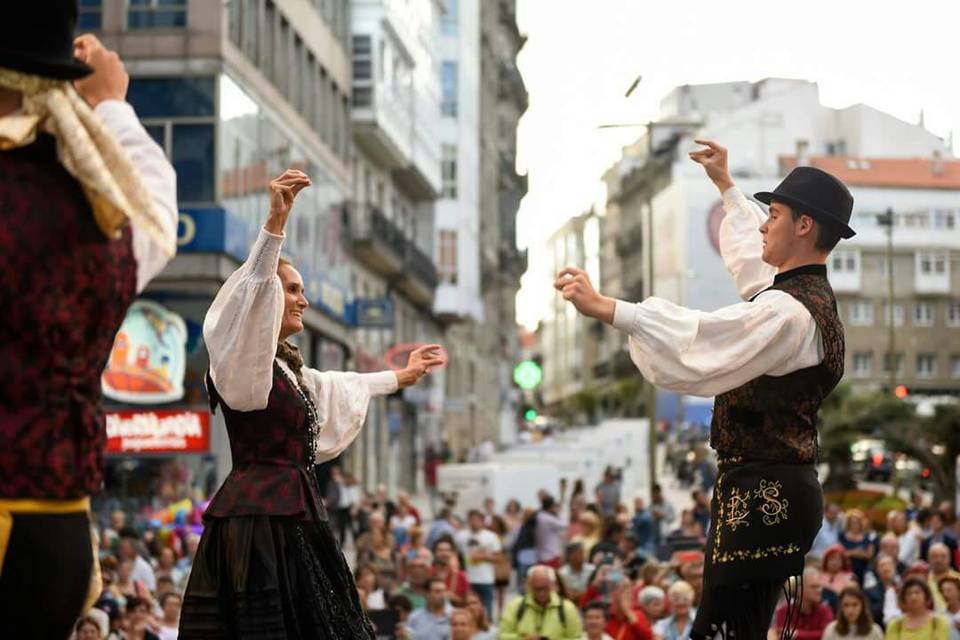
[
  {"x": 770, "y": 361},
  {"x": 87, "y": 217}
]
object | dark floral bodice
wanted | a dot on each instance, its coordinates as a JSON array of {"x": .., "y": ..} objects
[
  {"x": 272, "y": 452},
  {"x": 775, "y": 417}
]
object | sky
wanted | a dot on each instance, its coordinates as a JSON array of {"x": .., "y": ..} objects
[{"x": 580, "y": 58}]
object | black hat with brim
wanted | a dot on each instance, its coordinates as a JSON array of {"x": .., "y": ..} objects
[
  {"x": 816, "y": 193},
  {"x": 37, "y": 38}
]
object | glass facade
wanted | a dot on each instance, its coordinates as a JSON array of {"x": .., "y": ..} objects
[
  {"x": 156, "y": 14},
  {"x": 252, "y": 148},
  {"x": 179, "y": 113}
]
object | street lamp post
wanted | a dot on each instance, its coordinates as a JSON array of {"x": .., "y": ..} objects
[
  {"x": 651, "y": 391},
  {"x": 886, "y": 220}
]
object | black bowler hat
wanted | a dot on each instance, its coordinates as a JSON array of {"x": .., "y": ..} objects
[
  {"x": 36, "y": 37},
  {"x": 816, "y": 193}
]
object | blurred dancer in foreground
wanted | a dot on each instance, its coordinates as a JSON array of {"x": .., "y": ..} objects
[{"x": 87, "y": 217}]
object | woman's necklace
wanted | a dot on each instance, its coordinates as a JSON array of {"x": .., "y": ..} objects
[{"x": 313, "y": 421}]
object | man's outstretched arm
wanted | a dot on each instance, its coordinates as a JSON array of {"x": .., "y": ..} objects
[
  {"x": 703, "y": 353},
  {"x": 741, "y": 244}
]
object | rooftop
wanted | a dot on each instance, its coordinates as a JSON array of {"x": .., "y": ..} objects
[{"x": 909, "y": 173}]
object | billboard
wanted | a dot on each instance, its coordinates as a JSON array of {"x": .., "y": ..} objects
[
  {"x": 167, "y": 431},
  {"x": 148, "y": 359}
]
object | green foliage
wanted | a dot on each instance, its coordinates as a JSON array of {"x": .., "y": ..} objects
[{"x": 846, "y": 417}]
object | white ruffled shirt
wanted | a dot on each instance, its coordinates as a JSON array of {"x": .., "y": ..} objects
[
  {"x": 705, "y": 353},
  {"x": 241, "y": 331},
  {"x": 158, "y": 177}
]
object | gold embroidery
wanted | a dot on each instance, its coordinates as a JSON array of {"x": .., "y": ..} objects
[
  {"x": 774, "y": 508},
  {"x": 738, "y": 506},
  {"x": 756, "y": 554},
  {"x": 719, "y": 497}
]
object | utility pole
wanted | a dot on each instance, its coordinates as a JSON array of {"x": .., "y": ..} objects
[{"x": 886, "y": 220}]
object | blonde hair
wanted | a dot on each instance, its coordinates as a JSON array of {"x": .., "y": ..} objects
[{"x": 681, "y": 588}]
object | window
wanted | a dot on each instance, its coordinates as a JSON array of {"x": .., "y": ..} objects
[
  {"x": 845, "y": 261},
  {"x": 179, "y": 114},
  {"x": 923, "y": 314},
  {"x": 362, "y": 71},
  {"x": 953, "y": 314},
  {"x": 154, "y": 14},
  {"x": 899, "y": 363},
  {"x": 449, "y": 170},
  {"x": 448, "y": 83},
  {"x": 932, "y": 263},
  {"x": 955, "y": 366},
  {"x": 862, "y": 364},
  {"x": 861, "y": 313},
  {"x": 172, "y": 97},
  {"x": 945, "y": 219},
  {"x": 926, "y": 365},
  {"x": 90, "y": 16},
  {"x": 447, "y": 268},
  {"x": 898, "y": 315},
  {"x": 450, "y": 16},
  {"x": 883, "y": 266},
  {"x": 362, "y": 60},
  {"x": 193, "y": 158}
]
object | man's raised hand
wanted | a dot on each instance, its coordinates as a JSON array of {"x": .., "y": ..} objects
[
  {"x": 576, "y": 287},
  {"x": 714, "y": 161},
  {"x": 283, "y": 191}
]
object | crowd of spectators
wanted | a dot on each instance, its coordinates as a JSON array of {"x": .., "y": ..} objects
[{"x": 598, "y": 566}]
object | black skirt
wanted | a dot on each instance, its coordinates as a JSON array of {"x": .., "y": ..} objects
[{"x": 260, "y": 577}]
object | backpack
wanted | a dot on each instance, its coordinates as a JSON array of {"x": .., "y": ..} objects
[
  {"x": 562, "y": 612},
  {"x": 526, "y": 537}
]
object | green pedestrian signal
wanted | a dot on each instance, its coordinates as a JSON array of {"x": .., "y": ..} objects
[
  {"x": 528, "y": 375},
  {"x": 530, "y": 414}
]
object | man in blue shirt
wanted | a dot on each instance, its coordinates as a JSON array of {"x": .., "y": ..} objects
[{"x": 433, "y": 622}]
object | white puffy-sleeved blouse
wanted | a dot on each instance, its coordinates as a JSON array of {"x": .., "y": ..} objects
[{"x": 241, "y": 331}]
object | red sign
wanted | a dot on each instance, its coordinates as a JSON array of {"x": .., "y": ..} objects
[{"x": 177, "y": 431}]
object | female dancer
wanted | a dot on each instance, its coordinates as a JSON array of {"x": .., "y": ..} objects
[{"x": 268, "y": 564}]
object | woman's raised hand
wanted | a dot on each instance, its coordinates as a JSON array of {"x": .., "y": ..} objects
[
  {"x": 419, "y": 364},
  {"x": 283, "y": 191}
]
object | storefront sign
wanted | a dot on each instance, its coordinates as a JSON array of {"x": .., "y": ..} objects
[
  {"x": 374, "y": 313},
  {"x": 181, "y": 431},
  {"x": 148, "y": 359}
]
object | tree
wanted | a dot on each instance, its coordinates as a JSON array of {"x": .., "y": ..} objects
[{"x": 932, "y": 440}]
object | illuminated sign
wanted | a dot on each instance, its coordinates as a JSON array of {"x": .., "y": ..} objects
[
  {"x": 176, "y": 431},
  {"x": 148, "y": 358}
]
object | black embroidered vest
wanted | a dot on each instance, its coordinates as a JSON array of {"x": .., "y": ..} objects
[
  {"x": 775, "y": 417},
  {"x": 64, "y": 290},
  {"x": 271, "y": 450}
]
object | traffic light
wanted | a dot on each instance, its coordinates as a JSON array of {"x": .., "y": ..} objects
[
  {"x": 901, "y": 391},
  {"x": 530, "y": 414}
]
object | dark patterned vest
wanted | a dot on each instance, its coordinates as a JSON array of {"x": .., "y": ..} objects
[
  {"x": 775, "y": 417},
  {"x": 272, "y": 471},
  {"x": 64, "y": 290}
]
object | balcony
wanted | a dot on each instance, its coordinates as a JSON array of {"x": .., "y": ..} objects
[
  {"x": 420, "y": 279},
  {"x": 382, "y": 247},
  {"x": 381, "y": 125},
  {"x": 513, "y": 261},
  {"x": 510, "y": 85},
  {"x": 375, "y": 240},
  {"x": 420, "y": 177}
]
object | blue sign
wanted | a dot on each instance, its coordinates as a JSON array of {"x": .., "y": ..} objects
[{"x": 373, "y": 313}]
